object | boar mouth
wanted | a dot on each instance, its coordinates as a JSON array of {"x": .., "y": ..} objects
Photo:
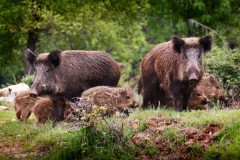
[
  {"x": 133, "y": 106},
  {"x": 205, "y": 102},
  {"x": 34, "y": 93},
  {"x": 223, "y": 99},
  {"x": 193, "y": 80}
]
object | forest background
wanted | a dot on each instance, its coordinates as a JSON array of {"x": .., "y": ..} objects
[{"x": 125, "y": 29}]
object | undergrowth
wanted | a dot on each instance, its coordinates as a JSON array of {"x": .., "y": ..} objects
[{"x": 162, "y": 132}]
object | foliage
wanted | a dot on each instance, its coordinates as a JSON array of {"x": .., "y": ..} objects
[
  {"x": 112, "y": 26},
  {"x": 28, "y": 79},
  {"x": 225, "y": 64},
  {"x": 226, "y": 144},
  {"x": 165, "y": 130},
  {"x": 124, "y": 29}
]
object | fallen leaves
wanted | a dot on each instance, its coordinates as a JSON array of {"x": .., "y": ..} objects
[{"x": 170, "y": 148}]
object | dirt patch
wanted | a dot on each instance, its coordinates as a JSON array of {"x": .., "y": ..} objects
[
  {"x": 152, "y": 143},
  {"x": 15, "y": 150},
  {"x": 203, "y": 137},
  {"x": 11, "y": 148}
]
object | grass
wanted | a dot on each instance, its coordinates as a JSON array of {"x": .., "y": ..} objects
[{"x": 149, "y": 133}]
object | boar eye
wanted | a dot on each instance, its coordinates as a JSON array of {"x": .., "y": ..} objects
[
  {"x": 198, "y": 94},
  {"x": 127, "y": 97},
  {"x": 199, "y": 55},
  {"x": 47, "y": 70},
  {"x": 217, "y": 87}
]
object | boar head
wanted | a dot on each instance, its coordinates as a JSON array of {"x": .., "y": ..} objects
[
  {"x": 191, "y": 50},
  {"x": 44, "y": 65}
]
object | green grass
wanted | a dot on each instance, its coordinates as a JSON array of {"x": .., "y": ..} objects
[{"x": 114, "y": 139}]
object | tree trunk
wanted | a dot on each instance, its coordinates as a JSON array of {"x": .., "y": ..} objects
[{"x": 31, "y": 44}]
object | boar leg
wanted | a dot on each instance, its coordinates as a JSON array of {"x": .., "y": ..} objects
[
  {"x": 18, "y": 114},
  {"x": 178, "y": 104},
  {"x": 25, "y": 114},
  {"x": 185, "y": 102},
  {"x": 149, "y": 90},
  {"x": 177, "y": 96},
  {"x": 58, "y": 110}
]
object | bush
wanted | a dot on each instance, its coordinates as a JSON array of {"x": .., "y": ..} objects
[
  {"x": 28, "y": 79},
  {"x": 225, "y": 65}
]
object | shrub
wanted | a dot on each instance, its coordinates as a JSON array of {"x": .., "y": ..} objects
[
  {"x": 225, "y": 65},
  {"x": 28, "y": 79}
]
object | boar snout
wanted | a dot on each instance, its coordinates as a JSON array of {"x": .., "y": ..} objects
[
  {"x": 134, "y": 105},
  {"x": 33, "y": 93},
  {"x": 193, "y": 79},
  {"x": 205, "y": 101},
  {"x": 223, "y": 99}
]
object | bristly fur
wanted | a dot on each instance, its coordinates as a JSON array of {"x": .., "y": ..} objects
[
  {"x": 54, "y": 57},
  {"x": 42, "y": 58}
]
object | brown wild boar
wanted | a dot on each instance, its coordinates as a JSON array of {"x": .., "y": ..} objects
[
  {"x": 173, "y": 69},
  {"x": 113, "y": 98},
  {"x": 23, "y": 103},
  {"x": 198, "y": 99},
  {"x": 43, "y": 110},
  {"x": 66, "y": 74},
  {"x": 212, "y": 88}
]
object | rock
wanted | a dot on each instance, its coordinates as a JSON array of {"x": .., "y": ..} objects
[{"x": 4, "y": 108}]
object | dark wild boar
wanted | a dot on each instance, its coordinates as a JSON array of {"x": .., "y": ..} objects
[
  {"x": 113, "y": 98},
  {"x": 66, "y": 74},
  {"x": 172, "y": 69}
]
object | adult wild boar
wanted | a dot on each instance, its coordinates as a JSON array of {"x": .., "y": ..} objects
[
  {"x": 172, "y": 69},
  {"x": 66, "y": 74}
]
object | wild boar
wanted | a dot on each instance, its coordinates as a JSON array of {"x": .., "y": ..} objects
[
  {"x": 43, "y": 110},
  {"x": 198, "y": 99},
  {"x": 23, "y": 103},
  {"x": 212, "y": 88},
  {"x": 172, "y": 69},
  {"x": 66, "y": 74},
  {"x": 113, "y": 98}
]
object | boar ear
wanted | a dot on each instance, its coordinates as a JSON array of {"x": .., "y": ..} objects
[
  {"x": 54, "y": 57},
  {"x": 122, "y": 91},
  {"x": 211, "y": 78},
  {"x": 30, "y": 56},
  {"x": 177, "y": 43},
  {"x": 206, "y": 43}
]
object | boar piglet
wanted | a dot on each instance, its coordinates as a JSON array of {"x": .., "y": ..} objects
[
  {"x": 173, "y": 69},
  {"x": 198, "y": 99},
  {"x": 66, "y": 74},
  {"x": 212, "y": 88},
  {"x": 113, "y": 98},
  {"x": 23, "y": 104},
  {"x": 43, "y": 110}
]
